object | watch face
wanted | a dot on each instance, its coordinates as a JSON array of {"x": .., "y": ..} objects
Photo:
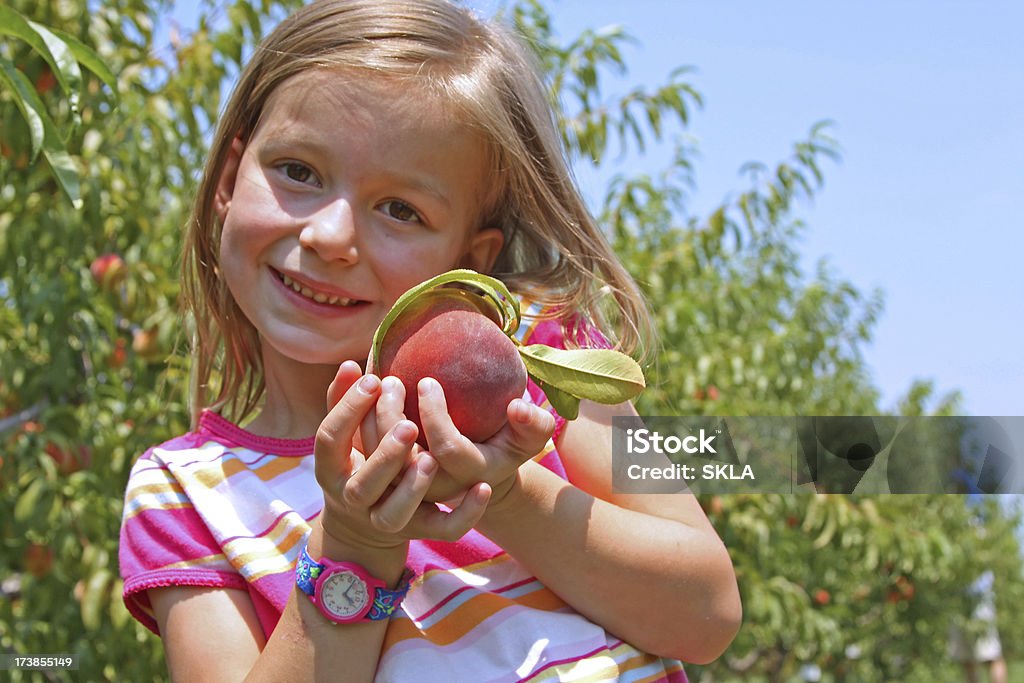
[{"x": 344, "y": 594}]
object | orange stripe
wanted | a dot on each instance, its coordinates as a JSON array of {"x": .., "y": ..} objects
[
  {"x": 280, "y": 548},
  {"x": 211, "y": 476},
  {"x": 161, "y": 508},
  {"x": 675, "y": 668},
  {"x": 525, "y": 305},
  {"x": 475, "y": 567},
  {"x": 548, "y": 447},
  {"x": 614, "y": 668},
  {"x": 642, "y": 659},
  {"x": 208, "y": 561},
  {"x": 163, "y": 488},
  {"x": 468, "y": 616}
]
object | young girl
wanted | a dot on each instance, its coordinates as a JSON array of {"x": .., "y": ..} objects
[{"x": 368, "y": 146}]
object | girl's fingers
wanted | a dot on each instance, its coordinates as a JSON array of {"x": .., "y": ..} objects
[
  {"x": 393, "y": 514},
  {"x": 431, "y": 522},
  {"x": 529, "y": 427},
  {"x": 388, "y": 412},
  {"x": 453, "y": 451},
  {"x": 333, "y": 445},
  {"x": 348, "y": 373},
  {"x": 365, "y": 488},
  {"x": 391, "y": 406}
]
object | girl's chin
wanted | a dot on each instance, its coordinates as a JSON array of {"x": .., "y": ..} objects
[{"x": 298, "y": 355}]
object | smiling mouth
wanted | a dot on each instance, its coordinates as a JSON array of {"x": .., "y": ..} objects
[{"x": 318, "y": 297}]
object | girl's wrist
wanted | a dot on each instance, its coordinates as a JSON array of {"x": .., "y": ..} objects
[
  {"x": 386, "y": 561},
  {"x": 507, "y": 495}
]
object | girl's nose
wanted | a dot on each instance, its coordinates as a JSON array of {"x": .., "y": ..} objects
[{"x": 331, "y": 232}]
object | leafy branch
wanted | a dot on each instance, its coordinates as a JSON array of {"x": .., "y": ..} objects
[{"x": 63, "y": 53}]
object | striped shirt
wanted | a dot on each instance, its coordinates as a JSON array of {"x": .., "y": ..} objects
[{"x": 221, "y": 507}]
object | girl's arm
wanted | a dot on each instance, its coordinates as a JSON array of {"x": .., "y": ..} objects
[
  {"x": 214, "y": 634},
  {"x": 371, "y": 510},
  {"x": 649, "y": 568}
]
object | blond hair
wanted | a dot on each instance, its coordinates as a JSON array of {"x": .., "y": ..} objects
[{"x": 554, "y": 253}]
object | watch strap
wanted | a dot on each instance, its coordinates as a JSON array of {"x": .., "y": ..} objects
[{"x": 385, "y": 600}]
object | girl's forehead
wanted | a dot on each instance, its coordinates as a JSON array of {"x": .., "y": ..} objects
[
  {"x": 355, "y": 93},
  {"x": 392, "y": 126}
]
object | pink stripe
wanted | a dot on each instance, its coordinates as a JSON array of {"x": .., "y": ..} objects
[
  {"x": 263, "y": 533},
  {"x": 448, "y": 598},
  {"x": 220, "y": 456},
  {"x": 451, "y": 596},
  {"x": 517, "y": 584},
  {"x": 567, "y": 660},
  {"x": 162, "y": 537},
  {"x": 487, "y": 627}
]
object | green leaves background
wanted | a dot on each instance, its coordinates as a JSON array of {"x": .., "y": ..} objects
[{"x": 743, "y": 331}]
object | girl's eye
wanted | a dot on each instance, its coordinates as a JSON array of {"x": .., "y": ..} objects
[
  {"x": 400, "y": 211},
  {"x": 300, "y": 173}
]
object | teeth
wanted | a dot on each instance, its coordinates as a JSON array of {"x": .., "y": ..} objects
[{"x": 318, "y": 297}]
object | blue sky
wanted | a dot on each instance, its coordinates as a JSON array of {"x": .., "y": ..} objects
[
  {"x": 928, "y": 103},
  {"x": 927, "y": 97}
]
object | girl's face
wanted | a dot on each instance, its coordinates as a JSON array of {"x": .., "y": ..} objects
[{"x": 350, "y": 191}]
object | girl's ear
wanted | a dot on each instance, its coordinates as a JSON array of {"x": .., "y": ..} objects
[
  {"x": 226, "y": 182},
  {"x": 483, "y": 250}
]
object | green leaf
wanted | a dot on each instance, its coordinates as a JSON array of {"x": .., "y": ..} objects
[
  {"x": 566, "y": 405},
  {"x": 32, "y": 106},
  {"x": 494, "y": 291},
  {"x": 28, "y": 102},
  {"x": 29, "y": 502},
  {"x": 89, "y": 59},
  {"x": 64, "y": 64},
  {"x": 14, "y": 24},
  {"x": 600, "y": 375},
  {"x": 51, "y": 48},
  {"x": 65, "y": 171},
  {"x": 93, "y": 598}
]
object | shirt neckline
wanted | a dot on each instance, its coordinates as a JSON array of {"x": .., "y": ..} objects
[{"x": 215, "y": 425}]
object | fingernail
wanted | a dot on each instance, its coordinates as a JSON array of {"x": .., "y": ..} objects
[
  {"x": 426, "y": 464},
  {"x": 520, "y": 411},
  {"x": 390, "y": 384},
  {"x": 483, "y": 493},
  {"x": 405, "y": 432},
  {"x": 368, "y": 384},
  {"x": 427, "y": 386}
]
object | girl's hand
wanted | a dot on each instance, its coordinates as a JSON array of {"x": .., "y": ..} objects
[
  {"x": 377, "y": 501},
  {"x": 495, "y": 462}
]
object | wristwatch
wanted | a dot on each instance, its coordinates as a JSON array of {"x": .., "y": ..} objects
[{"x": 345, "y": 592}]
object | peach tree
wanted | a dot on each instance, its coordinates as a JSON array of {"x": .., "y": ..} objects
[
  {"x": 854, "y": 585},
  {"x": 105, "y": 113}
]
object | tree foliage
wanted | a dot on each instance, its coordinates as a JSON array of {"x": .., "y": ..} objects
[{"x": 98, "y": 160}]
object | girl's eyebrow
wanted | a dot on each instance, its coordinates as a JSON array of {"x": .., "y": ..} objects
[
  {"x": 424, "y": 186},
  {"x": 288, "y": 145},
  {"x": 279, "y": 144}
]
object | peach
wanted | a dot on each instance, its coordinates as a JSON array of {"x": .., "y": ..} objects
[
  {"x": 447, "y": 336},
  {"x": 108, "y": 270}
]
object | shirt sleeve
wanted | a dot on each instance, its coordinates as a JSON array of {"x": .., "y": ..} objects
[{"x": 164, "y": 542}]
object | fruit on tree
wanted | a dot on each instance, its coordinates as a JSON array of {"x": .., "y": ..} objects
[
  {"x": 146, "y": 342},
  {"x": 447, "y": 336},
  {"x": 38, "y": 560},
  {"x": 69, "y": 460},
  {"x": 107, "y": 270}
]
